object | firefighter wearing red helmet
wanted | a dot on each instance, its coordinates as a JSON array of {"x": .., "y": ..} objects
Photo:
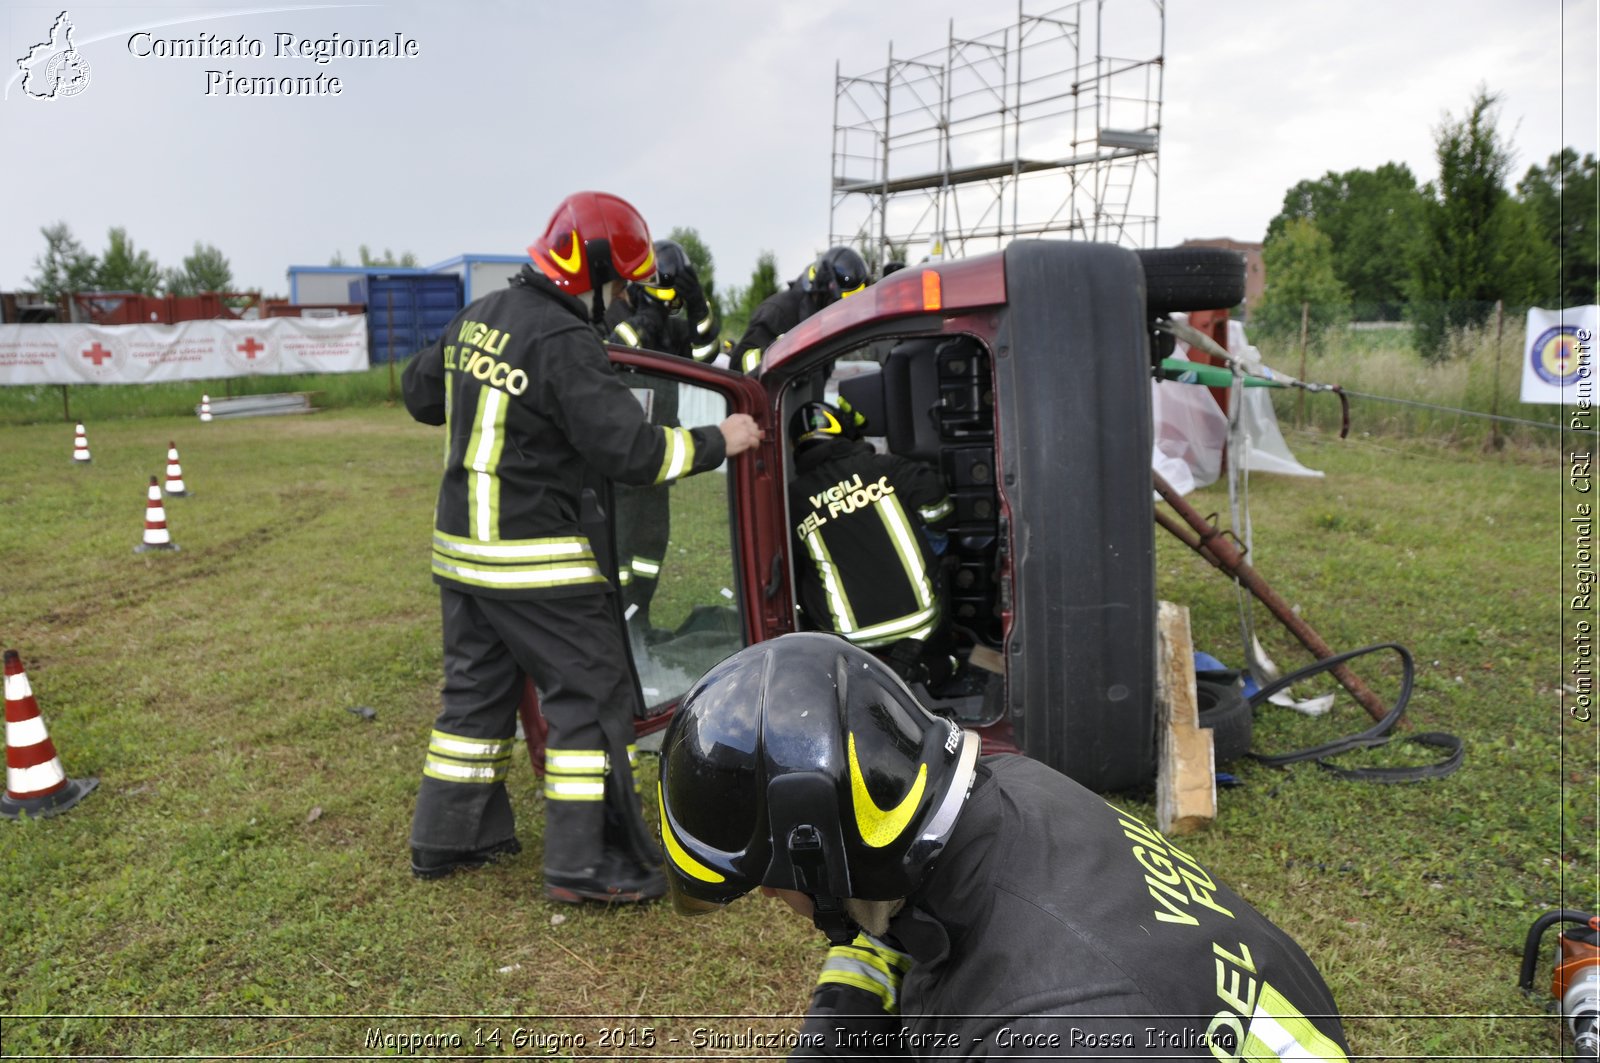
[
  {"x": 533, "y": 410},
  {"x": 838, "y": 273},
  {"x": 977, "y": 907}
]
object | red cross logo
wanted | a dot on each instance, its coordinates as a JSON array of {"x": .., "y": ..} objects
[
  {"x": 96, "y": 354},
  {"x": 250, "y": 346}
]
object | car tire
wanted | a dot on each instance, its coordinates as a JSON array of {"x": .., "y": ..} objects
[
  {"x": 1225, "y": 710},
  {"x": 1191, "y": 278}
]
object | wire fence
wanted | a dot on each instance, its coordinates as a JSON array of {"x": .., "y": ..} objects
[{"x": 1468, "y": 390}]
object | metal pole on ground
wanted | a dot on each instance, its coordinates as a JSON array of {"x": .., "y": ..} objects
[
  {"x": 1300, "y": 399},
  {"x": 1495, "y": 442},
  {"x": 390, "y": 327}
]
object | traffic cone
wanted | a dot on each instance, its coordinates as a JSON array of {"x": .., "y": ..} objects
[
  {"x": 156, "y": 536},
  {"x": 80, "y": 447},
  {"x": 205, "y": 407},
  {"x": 35, "y": 781},
  {"x": 174, "y": 485}
]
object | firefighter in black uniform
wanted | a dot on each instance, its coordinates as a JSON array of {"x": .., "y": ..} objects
[
  {"x": 867, "y": 530},
  {"x": 671, "y": 315},
  {"x": 976, "y": 907},
  {"x": 838, "y": 273},
  {"x": 530, "y": 403}
]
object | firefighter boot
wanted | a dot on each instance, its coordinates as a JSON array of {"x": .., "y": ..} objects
[{"x": 437, "y": 863}]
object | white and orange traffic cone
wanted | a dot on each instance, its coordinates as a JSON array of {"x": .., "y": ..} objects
[
  {"x": 174, "y": 486},
  {"x": 80, "y": 447},
  {"x": 205, "y": 407},
  {"x": 36, "y": 784},
  {"x": 156, "y": 536}
]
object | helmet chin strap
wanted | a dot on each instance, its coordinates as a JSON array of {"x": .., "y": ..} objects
[{"x": 811, "y": 878}]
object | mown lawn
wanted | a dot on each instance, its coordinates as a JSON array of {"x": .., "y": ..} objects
[{"x": 238, "y": 885}]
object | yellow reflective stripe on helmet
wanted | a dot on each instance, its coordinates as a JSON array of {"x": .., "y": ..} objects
[
  {"x": 571, "y": 260},
  {"x": 845, "y": 293},
  {"x": 1278, "y": 1031},
  {"x": 869, "y": 965},
  {"x": 483, "y": 464},
  {"x": 751, "y": 360},
  {"x": 936, "y": 512},
  {"x": 625, "y": 333},
  {"x": 880, "y": 826},
  {"x": 666, "y": 295},
  {"x": 677, "y": 853},
  {"x": 679, "y": 456},
  {"x": 647, "y": 267}
]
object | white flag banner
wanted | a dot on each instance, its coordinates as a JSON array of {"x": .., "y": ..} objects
[
  {"x": 1558, "y": 355},
  {"x": 190, "y": 350}
]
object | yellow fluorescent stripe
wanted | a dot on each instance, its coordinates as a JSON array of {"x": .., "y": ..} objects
[
  {"x": 514, "y": 549},
  {"x": 556, "y": 791},
  {"x": 937, "y": 510},
  {"x": 752, "y": 359},
  {"x": 457, "y": 746},
  {"x": 585, "y": 761},
  {"x": 625, "y": 333},
  {"x": 677, "y": 853},
  {"x": 518, "y": 577},
  {"x": 880, "y": 826},
  {"x": 905, "y": 544},
  {"x": 448, "y": 772},
  {"x": 895, "y": 630},
  {"x": 646, "y": 568},
  {"x": 844, "y": 620},
  {"x": 482, "y": 460}
]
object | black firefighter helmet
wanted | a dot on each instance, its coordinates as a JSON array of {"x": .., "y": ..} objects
[{"x": 804, "y": 763}]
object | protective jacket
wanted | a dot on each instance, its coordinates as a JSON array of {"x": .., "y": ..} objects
[
  {"x": 777, "y": 314},
  {"x": 530, "y": 402},
  {"x": 1055, "y": 924},
  {"x": 864, "y": 565}
]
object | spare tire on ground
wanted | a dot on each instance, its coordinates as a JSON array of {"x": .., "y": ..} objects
[{"x": 1226, "y": 711}]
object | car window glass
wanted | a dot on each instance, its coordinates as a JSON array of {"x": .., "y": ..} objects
[{"x": 674, "y": 555}]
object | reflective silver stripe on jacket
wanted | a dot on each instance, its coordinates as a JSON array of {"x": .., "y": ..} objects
[{"x": 870, "y": 965}]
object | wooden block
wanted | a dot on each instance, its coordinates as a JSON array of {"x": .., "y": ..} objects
[
  {"x": 987, "y": 659},
  {"x": 1186, "y": 772}
]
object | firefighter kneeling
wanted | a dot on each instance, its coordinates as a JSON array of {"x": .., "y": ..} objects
[{"x": 976, "y": 906}]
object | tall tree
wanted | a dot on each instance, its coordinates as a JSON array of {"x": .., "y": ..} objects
[
  {"x": 1564, "y": 197},
  {"x": 1299, "y": 266},
  {"x": 406, "y": 260},
  {"x": 124, "y": 268},
  {"x": 1476, "y": 245},
  {"x": 1371, "y": 217},
  {"x": 742, "y": 302},
  {"x": 65, "y": 266},
  {"x": 206, "y": 270},
  {"x": 704, "y": 267}
]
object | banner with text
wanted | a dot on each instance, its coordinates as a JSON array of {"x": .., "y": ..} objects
[
  {"x": 1558, "y": 355},
  {"x": 190, "y": 350}
]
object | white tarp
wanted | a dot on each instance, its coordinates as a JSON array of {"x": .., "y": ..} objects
[
  {"x": 191, "y": 350},
  {"x": 1191, "y": 431},
  {"x": 1558, "y": 353}
]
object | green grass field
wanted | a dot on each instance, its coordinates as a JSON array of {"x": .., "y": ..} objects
[{"x": 238, "y": 885}]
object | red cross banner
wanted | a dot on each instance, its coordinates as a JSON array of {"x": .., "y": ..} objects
[
  {"x": 191, "y": 350},
  {"x": 1558, "y": 356}
]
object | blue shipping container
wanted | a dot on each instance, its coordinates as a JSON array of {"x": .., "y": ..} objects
[{"x": 405, "y": 311}]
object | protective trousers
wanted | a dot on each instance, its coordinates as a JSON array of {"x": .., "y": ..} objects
[
  {"x": 572, "y": 649},
  {"x": 644, "y": 524}
]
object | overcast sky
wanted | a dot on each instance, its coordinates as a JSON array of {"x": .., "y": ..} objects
[{"x": 717, "y": 115}]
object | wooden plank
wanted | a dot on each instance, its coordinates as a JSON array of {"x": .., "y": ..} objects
[{"x": 1186, "y": 773}]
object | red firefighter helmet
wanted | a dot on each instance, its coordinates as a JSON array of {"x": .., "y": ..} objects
[{"x": 593, "y": 238}]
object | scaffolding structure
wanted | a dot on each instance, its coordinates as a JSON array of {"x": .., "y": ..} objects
[{"x": 1030, "y": 129}]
